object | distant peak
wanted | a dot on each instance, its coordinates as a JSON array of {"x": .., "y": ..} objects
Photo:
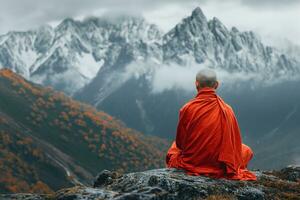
[
  {"x": 197, "y": 13},
  {"x": 215, "y": 23},
  {"x": 67, "y": 23},
  {"x": 68, "y": 20},
  {"x": 216, "y": 20},
  {"x": 234, "y": 29},
  {"x": 44, "y": 28}
]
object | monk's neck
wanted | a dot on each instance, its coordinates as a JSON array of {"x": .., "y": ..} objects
[{"x": 206, "y": 91}]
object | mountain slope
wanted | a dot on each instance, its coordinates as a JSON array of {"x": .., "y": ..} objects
[
  {"x": 26, "y": 166},
  {"x": 64, "y": 137}
]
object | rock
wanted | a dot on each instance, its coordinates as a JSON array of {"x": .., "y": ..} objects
[
  {"x": 172, "y": 184},
  {"x": 291, "y": 173},
  {"x": 175, "y": 184},
  {"x": 23, "y": 197},
  {"x": 104, "y": 178},
  {"x": 80, "y": 192}
]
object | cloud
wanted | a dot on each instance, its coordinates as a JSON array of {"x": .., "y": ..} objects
[
  {"x": 168, "y": 77},
  {"x": 273, "y": 22},
  {"x": 276, "y": 18},
  {"x": 23, "y": 15},
  {"x": 173, "y": 76},
  {"x": 163, "y": 77},
  {"x": 271, "y": 4}
]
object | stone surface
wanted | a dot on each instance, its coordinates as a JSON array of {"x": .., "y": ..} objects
[
  {"x": 172, "y": 184},
  {"x": 291, "y": 173},
  {"x": 23, "y": 197}
]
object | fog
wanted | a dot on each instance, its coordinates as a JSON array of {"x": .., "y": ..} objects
[
  {"x": 273, "y": 20},
  {"x": 163, "y": 77},
  {"x": 168, "y": 77}
]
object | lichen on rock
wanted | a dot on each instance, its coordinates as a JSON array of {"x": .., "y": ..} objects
[{"x": 173, "y": 184}]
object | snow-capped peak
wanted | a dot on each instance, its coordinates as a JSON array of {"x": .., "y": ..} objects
[
  {"x": 74, "y": 50},
  {"x": 72, "y": 54},
  {"x": 198, "y": 15}
]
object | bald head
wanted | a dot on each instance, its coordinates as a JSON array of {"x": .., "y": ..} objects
[{"x": 206, "y": 78}]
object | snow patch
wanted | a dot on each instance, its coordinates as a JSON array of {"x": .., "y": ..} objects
[
  {"x": 70, "y": 81},
  {"x": 28, "y": 57},
  {"x": 3, "y": 38},
  {"x": 87, "y": 65}
]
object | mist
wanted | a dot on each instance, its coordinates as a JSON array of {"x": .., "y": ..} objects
[
  {"x": 165, "y": 77},
  {"x": 168, "y": 77}
]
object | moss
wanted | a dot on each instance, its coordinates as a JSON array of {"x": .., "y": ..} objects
[
  {"x": 280, "y": 189},
  {"x": 220, "y": 197}
]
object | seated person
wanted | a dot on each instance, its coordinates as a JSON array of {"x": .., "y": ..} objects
[{"x": 208, "y": 139}]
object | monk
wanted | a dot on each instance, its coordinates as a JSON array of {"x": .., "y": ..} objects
[{"x": 208, "y": 139}]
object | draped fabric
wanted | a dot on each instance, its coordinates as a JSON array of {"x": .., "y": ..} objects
[{"x": 208, "y": 140}]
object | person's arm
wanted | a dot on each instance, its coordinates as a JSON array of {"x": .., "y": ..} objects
[{"x": 181, "y": 129}]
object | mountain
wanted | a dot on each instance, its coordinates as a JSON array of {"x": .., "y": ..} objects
[
  {"x": 49, "y": 141},
  {"x": 69, "y": 56},
  {"x": 202, "y": 40},
  {"x": 142, "y": 82},
  {"x": 258, "y": 81},
  {"x": 147, "y": 75},
  {"x": 173, "y": 184}
]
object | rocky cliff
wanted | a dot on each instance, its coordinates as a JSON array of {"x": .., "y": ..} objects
[{"x": 173, "y": 184}]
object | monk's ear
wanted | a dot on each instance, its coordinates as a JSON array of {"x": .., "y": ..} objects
[
  {"x": 197, "y": 84},
  {"x": 216, "y": 85}
]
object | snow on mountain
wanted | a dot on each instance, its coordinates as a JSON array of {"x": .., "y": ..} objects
[
  {"x": 209, "y": 40},
  {"x": 145, "y": 76},
  {"x": 130, "y": 69},
  {"x": 17, "y": 51},
  {"x": 193, "y": 43},
  {"x": 70, "y": 55}
]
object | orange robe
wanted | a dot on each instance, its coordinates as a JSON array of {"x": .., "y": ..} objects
[{"x": 208, "y": 140}]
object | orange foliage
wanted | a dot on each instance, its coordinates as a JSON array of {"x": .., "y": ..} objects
[
  {"x": 80, "y": 122},
  {"x": 123, "y": 147},
  {"x": 40, "y": 188}
]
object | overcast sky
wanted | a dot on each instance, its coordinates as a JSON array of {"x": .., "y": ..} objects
[{"x": 273, "y": 20}]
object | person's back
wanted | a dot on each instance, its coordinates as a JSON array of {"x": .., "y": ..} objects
[{"x": 208, "y": 139}]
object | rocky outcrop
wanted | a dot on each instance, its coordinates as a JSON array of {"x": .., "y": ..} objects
[
  {"x": 290, "y": 173},
  {"x": 167, "y": 184}
]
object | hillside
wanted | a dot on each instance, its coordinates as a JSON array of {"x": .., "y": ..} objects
[
  {"x": 50, "y": 140},
  {"x": 24, "y": 165}
]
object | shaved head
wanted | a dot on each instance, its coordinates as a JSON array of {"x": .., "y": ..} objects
[{"x": 206, "y": 78}]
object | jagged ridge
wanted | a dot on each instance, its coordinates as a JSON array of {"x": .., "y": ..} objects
[{"x": 77, "y": 50}]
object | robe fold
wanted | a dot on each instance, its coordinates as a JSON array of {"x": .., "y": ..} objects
[{"x": 208, "y": 140}]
